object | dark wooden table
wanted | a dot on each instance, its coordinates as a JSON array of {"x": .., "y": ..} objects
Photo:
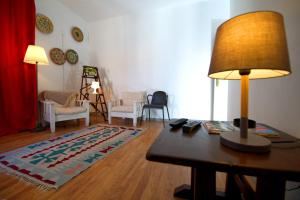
[{"x": 205, "y": 155}]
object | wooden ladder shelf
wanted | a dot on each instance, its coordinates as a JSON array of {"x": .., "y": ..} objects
[{"x": 90, "y": 72}]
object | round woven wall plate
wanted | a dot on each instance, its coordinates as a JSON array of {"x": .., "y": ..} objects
[
  {"x": 77, "y": 34},
  {"x": 57, "y": 56},
  {"x": 72, "y": 56},
  {"x": 43, "y": 23}
]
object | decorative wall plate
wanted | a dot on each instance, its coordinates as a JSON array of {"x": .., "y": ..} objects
[
  {"x": 57, "y": 56},
  {"x": 72, "y": 56},
  {"x": 43, "y": 23},
  {"x": 77, "y": 34}
]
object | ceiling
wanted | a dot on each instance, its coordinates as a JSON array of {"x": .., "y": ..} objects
[{"x": 93, "y": 10}]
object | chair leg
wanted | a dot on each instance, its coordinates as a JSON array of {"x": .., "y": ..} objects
[
  {"x": 87, "y": 121},
  {"x": 134, "y": 121},
  {"x": 163, "y": 115},
  {"x": 109, "y": 118},
  {"x": 149, "y": 114},
  {"x": 168, "y": 112},
  {"x": 52, "y": 126},
  {"x": 142, "y": 116},
  {"x": 52, "y": 119}
]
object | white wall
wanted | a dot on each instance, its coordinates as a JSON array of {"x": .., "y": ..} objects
[
  {"x": 61, "y": 77},
  {"x": 219, "y": 87},
  {"x": 165, "y": 49},
  {"x": 273, "y": 101}
]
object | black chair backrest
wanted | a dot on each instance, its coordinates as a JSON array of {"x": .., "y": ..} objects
[{"x": 159, "y": 98}]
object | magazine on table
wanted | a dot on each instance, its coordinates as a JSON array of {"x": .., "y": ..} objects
[{"x": 217, "y": 127}]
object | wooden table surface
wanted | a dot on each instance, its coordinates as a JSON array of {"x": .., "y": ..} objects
[{"x": 202, "y": 149}]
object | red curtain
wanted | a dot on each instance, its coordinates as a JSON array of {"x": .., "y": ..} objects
[{"x": 17, "y": 80}]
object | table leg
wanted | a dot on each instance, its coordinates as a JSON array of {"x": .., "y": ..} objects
[
  {"x": 270, "y": 187},
  {"x": 185, "y": 191},
  {"x": 203, "y": 185},
  {"x": 232, "y": 190}
]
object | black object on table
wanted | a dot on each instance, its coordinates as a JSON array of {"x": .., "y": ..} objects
[
  {"x": 205, "y": 155},
  {"x": 177, "y": 123},
  {"x": 190, "y": 126}
]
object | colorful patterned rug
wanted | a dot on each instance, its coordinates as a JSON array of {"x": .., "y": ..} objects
[{"x": 51, "y": 163}]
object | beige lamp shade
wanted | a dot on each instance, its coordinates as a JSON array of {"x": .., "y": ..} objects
[
  {"x": 254, "y": 41},
  {"x": 35, "y": 54}
]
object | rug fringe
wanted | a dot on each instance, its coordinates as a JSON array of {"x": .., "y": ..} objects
[{"x": 27, "y": 180}]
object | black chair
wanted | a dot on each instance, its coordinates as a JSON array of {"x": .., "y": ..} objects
[{"x": 158, "y": 101}]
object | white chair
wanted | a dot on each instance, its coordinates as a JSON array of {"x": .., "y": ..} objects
[
  {"x": 129, "y": 106},
  {"x": 62, "y": 106}
]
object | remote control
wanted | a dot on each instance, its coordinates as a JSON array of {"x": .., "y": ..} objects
[
  {"x": 190, "y": 126},
  {"x": 178, "y": 123}
]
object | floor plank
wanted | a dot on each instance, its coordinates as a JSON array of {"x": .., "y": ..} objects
[{"x": 125, "y": 174}]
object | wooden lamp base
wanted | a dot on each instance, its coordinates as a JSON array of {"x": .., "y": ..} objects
[
  {"x": 253, "y": 143},
  {"x": 242, "y": 141}
]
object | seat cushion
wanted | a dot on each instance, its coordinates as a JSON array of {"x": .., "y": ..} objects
[
  {"x": 69, "y": 110},
  {"x": 128, "y": 109}
]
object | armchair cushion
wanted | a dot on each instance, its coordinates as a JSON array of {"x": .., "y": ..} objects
[
  {"x": 128, "y": 109},
  {"x": 61, "y": 106},
  {"x": 130, "y": 106},
  {"x": 69, "y": 110}
]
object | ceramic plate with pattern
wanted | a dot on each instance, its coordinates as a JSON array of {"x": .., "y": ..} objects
[
  {"x": 72, "y": 56},
  {"x": 77, "y": 34},
  {"x": 43, "y": 23},
  {"x": 57, "y": 56}
]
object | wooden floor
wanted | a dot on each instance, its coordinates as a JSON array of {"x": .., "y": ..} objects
[{"x": 125, "y": 174}]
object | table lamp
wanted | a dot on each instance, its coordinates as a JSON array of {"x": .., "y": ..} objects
[
  {"x": 95, "y": 85},
  {"x": 249, "y": 46},
  {"x": 36, "y": 55}
]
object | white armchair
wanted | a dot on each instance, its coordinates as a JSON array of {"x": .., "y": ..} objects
[
  {"x": 61, "y": 106},
  {"x": 129, "y": 106}
]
